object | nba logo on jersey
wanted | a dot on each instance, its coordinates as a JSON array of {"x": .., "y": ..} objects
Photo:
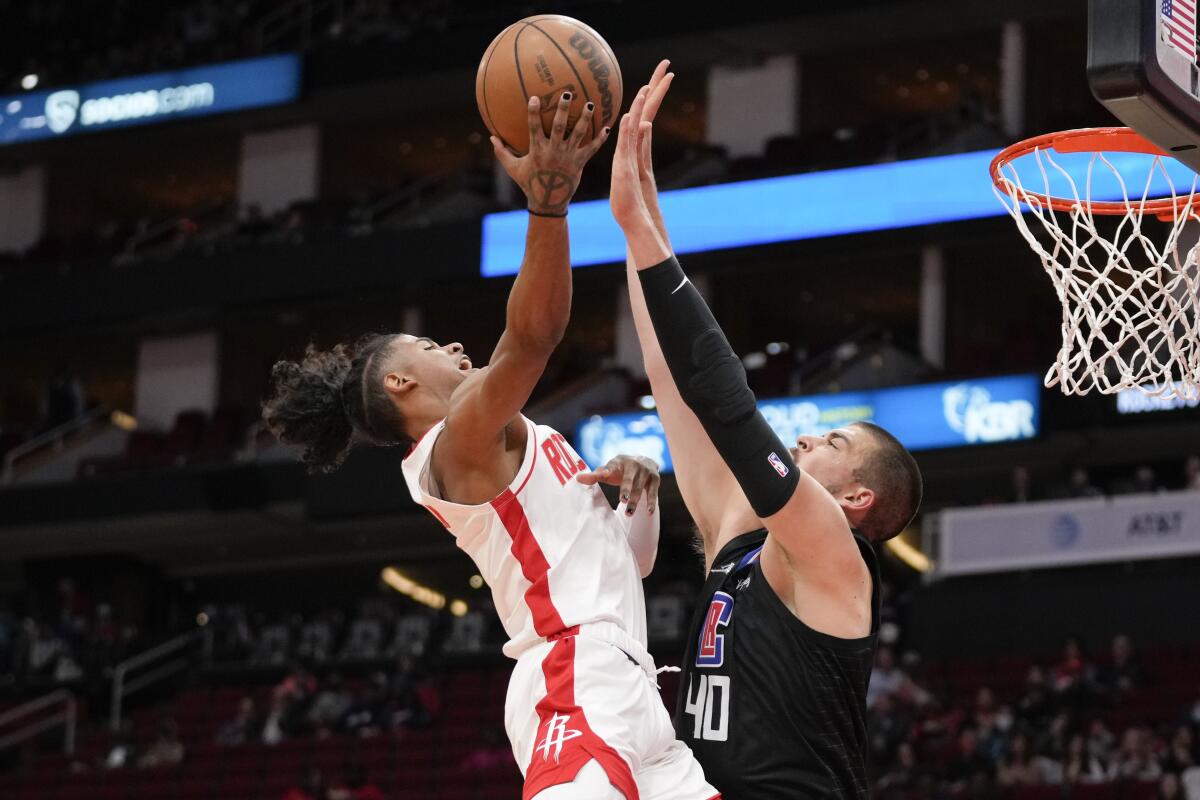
[
  {"x": 778, "y": 464},
  {"x": 711, "y": 652}
]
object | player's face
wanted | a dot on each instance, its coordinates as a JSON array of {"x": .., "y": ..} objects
[
  {"x": 440, "y": 367},
  {"x": 831, "y": 459}
]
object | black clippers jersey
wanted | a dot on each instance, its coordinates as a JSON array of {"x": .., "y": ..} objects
[{"x": 772, "y": 709}]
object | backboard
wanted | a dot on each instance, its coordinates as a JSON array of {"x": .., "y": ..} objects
[{"x": 1142, "y": 65}]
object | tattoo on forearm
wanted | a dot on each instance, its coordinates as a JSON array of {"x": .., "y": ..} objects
[{"x": 550, "y": 191}]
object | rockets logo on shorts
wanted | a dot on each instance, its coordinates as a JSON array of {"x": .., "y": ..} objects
[
  {"x": 711, "y": 649},
  {"x": 778, "y": 464},
  {"x": 557, "y": 732}
]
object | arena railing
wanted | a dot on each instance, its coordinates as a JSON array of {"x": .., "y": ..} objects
[
  {"x": 169, "y": 658},
  {"x": 65, "y": 717},
  {"x": 53, "y": 440}
]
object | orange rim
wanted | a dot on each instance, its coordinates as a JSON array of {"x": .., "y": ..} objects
[{"x": 1086, "y": 140}]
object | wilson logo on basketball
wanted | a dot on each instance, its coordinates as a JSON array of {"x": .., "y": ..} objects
[{"x": 588, "y": 50}]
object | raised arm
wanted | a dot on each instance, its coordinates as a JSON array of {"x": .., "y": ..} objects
[
  {"x": 713, "y": 498},
  {"x": 539, "y": 305},
  {"x": 709, "y": 378}
]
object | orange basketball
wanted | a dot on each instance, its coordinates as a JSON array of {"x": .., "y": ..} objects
[{"x": 546, "y": 55}]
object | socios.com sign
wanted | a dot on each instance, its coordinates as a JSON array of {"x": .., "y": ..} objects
[
  {"x": 953, "y": 414},
  {"x": 144, "y": 99}
]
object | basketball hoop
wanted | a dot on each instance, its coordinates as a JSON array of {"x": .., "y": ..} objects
[{"x": 1130, "y": 307}]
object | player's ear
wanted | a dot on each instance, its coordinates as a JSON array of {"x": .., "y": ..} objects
[
  {"x": 397, "y": 384},
  {"x": 857, "y": 497}
]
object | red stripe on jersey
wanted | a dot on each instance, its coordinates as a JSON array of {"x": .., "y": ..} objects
[
  {"x": 439, "y": 517},
  {"x": 565, "y": 742},
  {"x": 534, "y": 566}
]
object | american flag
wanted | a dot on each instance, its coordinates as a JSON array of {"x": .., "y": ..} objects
[{"x": 1179, "y": 17}]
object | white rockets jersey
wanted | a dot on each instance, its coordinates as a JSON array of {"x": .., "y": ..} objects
[{"x": 552, "y": 550}]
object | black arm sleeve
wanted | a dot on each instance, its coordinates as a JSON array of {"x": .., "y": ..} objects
[{"x": 712, "y": 381}]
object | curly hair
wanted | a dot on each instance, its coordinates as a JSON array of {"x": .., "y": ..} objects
[{"x": 331, "y": 397}]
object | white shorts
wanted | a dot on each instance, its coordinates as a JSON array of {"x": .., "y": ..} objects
[{"x": 592, "y": 696}]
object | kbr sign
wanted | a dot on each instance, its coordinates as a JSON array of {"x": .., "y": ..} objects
[{"x": 923, "y": 417}]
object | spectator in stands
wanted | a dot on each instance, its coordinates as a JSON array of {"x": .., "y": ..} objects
[
  {"x": 331, "y": 704},
  {"x": 888, "y": 725},
  {"x": 1022, "y": 485},
  {"x": 295, "y": 693},
  {"x": 1073, "y": 678},
  {"x": 1169, "y": 788},
  {"x": 1036, "y": 704},
  {"x": 244, "y": 727},
  {"x": 367, "y": 714},
  {"x": 1144, "y": 481},
  {"x": 1100, "y": 741},
  {"x": 1017, "y": 767},
  {"x": 355, "y": 786},
  {"x": 1181, "y": 753},
  {"x": 274, "y": 726},
  {"x": 166, "y": 750},
  {"x": 886, "y": 678},
  {"x": 1079, "y": 485},
  {"x": 404, "y": 694},
  {"x": 1191, "y": 782},
  {"x": 904, "y": 776},
  {"x": 1080, "y": 765},
  {"x": 1123, "y": 673},
  {"x": 1051, "y": 741},
  {"x": 1191, "y": 473},
  {"x": 310, "y": 787},
  {"x": 1134, "y": 759},
  {"x": 991, "y": 726},
  {"x": 969, "y": 770}
]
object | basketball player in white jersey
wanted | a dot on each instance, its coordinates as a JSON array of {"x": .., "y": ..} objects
[{"x": 583, "y": 711}]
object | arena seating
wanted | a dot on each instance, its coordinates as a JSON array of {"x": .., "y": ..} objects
[
  {"x": 192, "y": 439},
  {"x": 428, "y": 764}
]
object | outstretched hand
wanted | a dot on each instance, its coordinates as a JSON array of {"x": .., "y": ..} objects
[
  {"x": 633, "y": 164},
  {"x": 549, "y": 172},
  {"x": 634, "y": 474},
  {"x": 625, "y": 194},
  {"x": 660, "y": 82}
]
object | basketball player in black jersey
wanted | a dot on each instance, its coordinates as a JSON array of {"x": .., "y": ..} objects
[{"x": 773, "y": 695}]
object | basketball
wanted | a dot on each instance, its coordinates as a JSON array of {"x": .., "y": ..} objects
[{"x": 546, "y": 55}]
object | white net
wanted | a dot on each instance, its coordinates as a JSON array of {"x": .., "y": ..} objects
[{"x": 1130, "y": 298}]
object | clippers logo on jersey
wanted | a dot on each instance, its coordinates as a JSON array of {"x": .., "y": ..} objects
[
  {"x": 779, "y": 466},
  {"x": 711, "y": 652},
  {"x": 557, "y": 732}
]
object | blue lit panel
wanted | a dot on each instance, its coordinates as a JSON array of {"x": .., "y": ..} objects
[
  {"x": 146, "y": 99},
  {"x": 923, "y": 417},
  {"x": 858, "y": 199}
]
